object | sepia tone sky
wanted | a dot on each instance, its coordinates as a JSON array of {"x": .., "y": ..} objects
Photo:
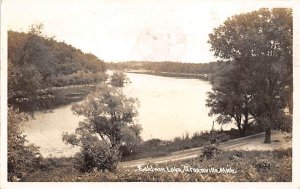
[{"x": 122, "y": 30}]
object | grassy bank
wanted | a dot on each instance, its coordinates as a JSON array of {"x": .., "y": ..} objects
[
  {"x": 157, "y": 147},
  {"x": 250, "y": 166},
  {"x": 74, "y": 93},
  {"x": 60, "y": 96}
]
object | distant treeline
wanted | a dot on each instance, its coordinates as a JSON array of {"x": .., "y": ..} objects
[
  {"x": 37, "y": 63},
  {"x": 173, "y": 68}
]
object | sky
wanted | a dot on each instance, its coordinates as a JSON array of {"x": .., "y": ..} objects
[{"x": 125, "y": 30}]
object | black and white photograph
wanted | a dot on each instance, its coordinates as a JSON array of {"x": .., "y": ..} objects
[{"x": 149, "y": 91}]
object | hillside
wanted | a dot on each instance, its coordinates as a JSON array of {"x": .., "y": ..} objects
[{"x": 37, "y": 63}]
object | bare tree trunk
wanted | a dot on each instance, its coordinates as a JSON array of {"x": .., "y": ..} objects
[
  {"x": 239, "y": 125},
  {"x": 268, "y": 135},
  {"x": 240, "y": 130},
  {"x": 243, "y": 131}
]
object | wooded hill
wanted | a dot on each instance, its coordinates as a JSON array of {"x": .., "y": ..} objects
[
  {"x": 37, "y": 63},
  {"x": 50, "y": 60}
]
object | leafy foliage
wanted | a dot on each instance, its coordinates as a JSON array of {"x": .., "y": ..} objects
[
  {"x": 209, "y": 151},
  {"x": 109, "y": 123},
  {"x": 260, "y": 43},
  {"x": 118, "y": 79},
  {"x": 216, "y": 138},
  {"x": 131, "y": 140},
  {"x": 37, "y": 63},
  {"x": 79, "y": 77},
  {"x": 95, "y": 154},
  {"x": 22, "y": 158},
  {"x": 230, "y": 98}
]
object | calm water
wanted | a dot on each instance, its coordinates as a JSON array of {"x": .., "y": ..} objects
[{"x": 169, "y": 107}]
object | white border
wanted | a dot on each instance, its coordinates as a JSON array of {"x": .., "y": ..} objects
[
  {"x": 3, "y": 103},
  {"x": 296, "y": 130},
  {"x": 296, "y": 95}
]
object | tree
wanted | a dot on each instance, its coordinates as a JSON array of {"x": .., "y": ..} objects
[
  {"x": 109, "y": 120},
  {"x": 230, "y": 100},
  {"x": 261, "y": 43},
  {"x": 24, "y": 77},
  {"x": 22, "y": 157},
  {"x": 118, "y": 79}
]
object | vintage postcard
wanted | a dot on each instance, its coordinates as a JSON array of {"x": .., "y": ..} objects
[{"x": 125, "y": 93}]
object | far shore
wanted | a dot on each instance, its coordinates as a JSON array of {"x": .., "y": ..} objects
[{"x": 205, "y": 77}]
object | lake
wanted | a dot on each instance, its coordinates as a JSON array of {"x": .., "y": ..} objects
[{"x": 169, "y": 107}]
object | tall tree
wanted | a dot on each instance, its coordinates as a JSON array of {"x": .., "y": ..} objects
[
  {"x": 230, "y": 100},
  {"x": 261, "y": 43}
]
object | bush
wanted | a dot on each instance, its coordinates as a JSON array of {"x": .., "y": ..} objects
[
  {"x": 236, "y": 156},
  {"x": 96, "y": 154},
  {"x": 153, "y": 142},
  {"x": 130, "y": 140},
  {"x": 262, "y": 164},
  {"x": 210, "y": 151},
  {"x": 118, "y": 79},
  {"x": 217, "y": 138}
]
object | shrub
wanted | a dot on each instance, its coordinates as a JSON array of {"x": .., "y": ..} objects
[
  {"x": 200, "y": 135},
  {"x": 118, "y": 79},
  {"x": 262, "y": 164},
  {"x": 218, "y": 138},
  {"x": 96, "y": 154},
  {"x": 153, "y": 142},
  {"x": 130, "y": 140},
  {"x": 236, "y": 156},
  {"x": 210, "y": 151}
]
